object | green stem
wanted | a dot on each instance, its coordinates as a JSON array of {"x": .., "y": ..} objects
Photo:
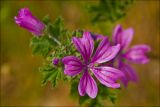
[{"x": 54, "y": 39}]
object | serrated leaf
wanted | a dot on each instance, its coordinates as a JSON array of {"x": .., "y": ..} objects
[
  {"x": 41, "y": 45},
  {"x": 57, "y": 28},
  {"x": 50, "y": 74}
]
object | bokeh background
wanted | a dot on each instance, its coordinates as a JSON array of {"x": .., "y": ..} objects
[{"x": 20, "y": 80}]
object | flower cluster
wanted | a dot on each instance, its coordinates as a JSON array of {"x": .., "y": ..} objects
[
  {"x": 135, "y": 54},
  {"x": 93, "y": 60}
]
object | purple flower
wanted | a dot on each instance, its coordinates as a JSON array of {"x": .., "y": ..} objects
[
  {"x": 135, "y": 54},
  {"x": 55, "y": 61},
  {"x": 97, "y": 37},
  {"x": 26, "y": 20},
  {"x": 105, "y": 74}
]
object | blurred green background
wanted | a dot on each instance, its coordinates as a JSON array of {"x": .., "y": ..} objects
[{"x": 20, "y": 80}]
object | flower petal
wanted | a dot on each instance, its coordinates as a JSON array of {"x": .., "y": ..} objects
[
  {"x": 123, "y": 37},
  {"x": 137, "y": 54},
  {"x": 87, "y": 85},
  {"x": 84, "y": 45},
  {"x": 107, "y": 76},
  {"x": 127, "y": 37},
  {"x": 105, "y": 52},
  {"x": 129, "y": 73},
  {"x": 73, "y": 65},
  {"x": 98, "y": 37},
  {"x": 117, "y": 33}
]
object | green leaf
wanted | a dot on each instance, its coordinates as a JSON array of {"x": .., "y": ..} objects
[
  {"x": 51, "y": 74},
  {"x": 109, "y": 10},
  {"x": 95, "y": 103},
  {"x": 41, "y": 45},
  {"x": 113, "y": 98},
  {"x": 57, "y": 28},
  {"x": 74, "y": 89},
  {"x": 84, "y": 99},
  {"x": 46, "y": 20},
  {"x": 108, "y": 93}
]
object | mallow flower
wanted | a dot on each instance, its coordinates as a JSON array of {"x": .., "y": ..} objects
[
  {"x": 92, "y": 58},
  {"x": 135, "y": 54},
  {"x": 26, "y": 20}
]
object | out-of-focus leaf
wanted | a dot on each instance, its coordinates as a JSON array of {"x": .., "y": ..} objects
[
  {"x": 84, "y": 99},
  {"x": 108, "y": 93},
  {"x": 46, "y": 20},
  {"x": 95, "y": 103},
  {"x": 109, "y": 10}
]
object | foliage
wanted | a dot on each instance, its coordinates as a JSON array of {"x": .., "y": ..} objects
[
  {"x": 51, "y": 74},
  {"x": 41, "y": 46},
  {"x": 57, "y": 28},
  {"x": 109, "y": 10},
  {"x": 44, "y": 44}
]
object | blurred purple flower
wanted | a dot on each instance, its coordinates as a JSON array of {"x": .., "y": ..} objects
[
  {"x": 55, "y": 61},
  {"x": 105, "y": 74},
  {"x": 26, "y": 20},
  {"x": 97, "y": 37},
  {"x": 134, "y": 54}
]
